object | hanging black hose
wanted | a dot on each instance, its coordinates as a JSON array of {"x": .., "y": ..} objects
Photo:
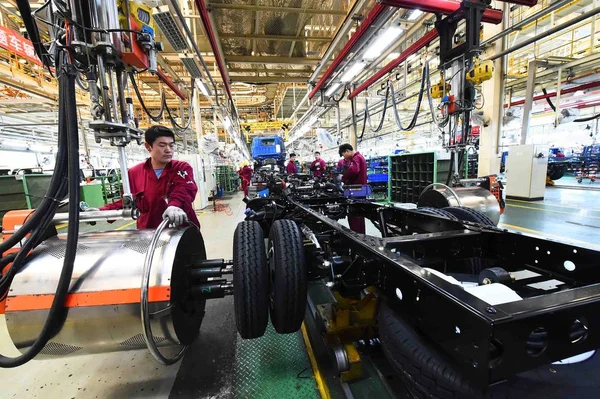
[
  {"x": 155, "y": 118},
  {"x": 172, "y": 119},
  {"x": 68, "y": 125},
  {"x": 584, "y": 119},
  {"x": 450, "y": 170},
  {"x": 191, "y": 96},
  {"x": 33, "y": 32},
  {"x": 415, "y": 117},
  {"x": 367, "y": 118}
]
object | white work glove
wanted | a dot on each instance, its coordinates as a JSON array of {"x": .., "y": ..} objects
[
  {"x": 175, "y": 215},
  {"x": 92, "y": 210}
]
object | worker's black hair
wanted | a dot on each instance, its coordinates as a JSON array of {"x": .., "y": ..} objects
[
  {"x": 345, "y": 147},
  {"x": 317, "y": 153},
  {"x": 157, "y": 131},
  {"x": 292, "y": 155}
]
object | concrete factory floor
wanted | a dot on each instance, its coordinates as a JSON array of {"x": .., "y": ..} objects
[{"x": 219, "y": 364}]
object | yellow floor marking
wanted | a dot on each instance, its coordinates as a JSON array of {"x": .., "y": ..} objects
[
  {"x": 126, "y": 225},
  {"x": 550, "y": 210},
  {"x": 550, "y": 204},
  {"x": 323, "y": 390}
]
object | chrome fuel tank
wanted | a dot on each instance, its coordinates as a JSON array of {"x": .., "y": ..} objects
[{"x": 103, "y": 308}]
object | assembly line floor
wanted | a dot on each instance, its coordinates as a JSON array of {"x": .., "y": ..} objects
[{"x": 221, "y": 365}]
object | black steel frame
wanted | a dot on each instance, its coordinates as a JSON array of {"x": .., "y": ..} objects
[{"x": 488, "y": 343}]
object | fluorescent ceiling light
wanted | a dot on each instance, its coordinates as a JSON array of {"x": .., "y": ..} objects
[
  {"x": 191, "y": 65},
  {"x": 169, "y": 27},
  {"x": 353, "y": 71},
  {"x": 383, "y": 41},
  {"x": 203, "y": 87},
  {"x": 414, "y": 14},
  {"x": 332, "y": 89}
]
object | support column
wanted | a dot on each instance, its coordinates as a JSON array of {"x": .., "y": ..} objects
[
  {"x": 197, "y": 120},
  {"x": 493, "y": 93}
]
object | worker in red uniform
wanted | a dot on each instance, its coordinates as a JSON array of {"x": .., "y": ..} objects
[
  {"x": 162, "y": 187},
  {"x": 355, "y": 173},
  {"x": 245, "y": 173},
  {"x": 291, "y": 168},
  {"x": 318, "y": 165}
]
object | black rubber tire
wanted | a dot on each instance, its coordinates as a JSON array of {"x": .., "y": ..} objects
[
  {"x": 425, "y": 372},
  {"x": 555, "y": 172},
  {"x": 250, "y": 280},
  {"x": 288, "y": 276},
  {"x": 437, "y": 212},
  {"x": 470, "y": 215}
]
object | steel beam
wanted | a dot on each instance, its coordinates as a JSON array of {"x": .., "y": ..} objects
[
  {"x": 490, "y": 15},
  {"x": 270, "y": 79},
  {"x": 531, "y": 70},
  {"x": 585, "y": 86},
  {"x": 214, "y": 44},
  {"x": 249, "y": 7},
  {"x": 551, "y": 31},
  {"x": 284, "y": 38},
  {"x": 412, "y": 49},
  {"x": 266, "y": 70},
  {"x": 243, "y": 59},
  {"x": 373, "y": 15}
]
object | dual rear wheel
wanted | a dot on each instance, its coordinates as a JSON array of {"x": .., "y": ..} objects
[{"x": 272, "y": 282}]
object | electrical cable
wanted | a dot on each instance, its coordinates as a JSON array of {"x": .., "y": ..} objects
[
  {"x": 33, "y": 32},
  {"x": 172, "y": 120},
  {"x": 584, "y": 119},
  {"x": 415, "y": 117},
  {"x": 68, "y": 106},
  {"x": 155, "y": 118},
  {"x": 383, "y": 112}
]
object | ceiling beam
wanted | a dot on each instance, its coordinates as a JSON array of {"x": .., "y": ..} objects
[
  {"x": 266, "y": 70},
  {"x": 249, "y": 7},
  {"x": 269, "y": 79},
  {"x": 244, "y": 59},
  {"x": 282, "y": 38}
]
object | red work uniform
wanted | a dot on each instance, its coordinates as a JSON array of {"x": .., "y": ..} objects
[
  {"x": 356, "y": 173},
  {"x": 291, "y": 168},
  {"x": 245, "y": 174},
  {"x": 341, "y": 164},
  {"x": 174, "y": 187},
  {"x": 318, "y": 167}
]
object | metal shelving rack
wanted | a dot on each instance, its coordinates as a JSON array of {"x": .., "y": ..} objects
[{"x": 410, "y": 174}]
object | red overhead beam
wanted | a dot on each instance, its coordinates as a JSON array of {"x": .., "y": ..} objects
[
  {"x": 490, "y": 15},
  {"x": 213, "y": 44},
  {"x": 412, "y": 49},
  {"x": 161, "y": 75},
  {"x": 368, "y": 21},
  {"x": 585, "y": 86},
  {"x": 529, "y": 3}
]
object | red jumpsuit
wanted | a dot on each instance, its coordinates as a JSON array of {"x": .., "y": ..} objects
[
  {"x": 356, "y": 173},
  {"x": 245, "y": 174},
  {"x": 291, "y": 168},
  {"x": 318, "y": 167},
  {"x": 175, "y": 187}
]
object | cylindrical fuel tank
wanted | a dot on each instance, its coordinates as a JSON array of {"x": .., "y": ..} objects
[
  {"x": 476, "y": 198},
  {"x": 103, "y": 307}
]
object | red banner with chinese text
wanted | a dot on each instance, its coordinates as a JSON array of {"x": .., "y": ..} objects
[{"x": 14, "y": 42}]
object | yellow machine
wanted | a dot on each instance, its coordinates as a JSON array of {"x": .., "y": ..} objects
[
  {"x": 480, "y": 72},
  {"x": 346, "y": 321}
]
